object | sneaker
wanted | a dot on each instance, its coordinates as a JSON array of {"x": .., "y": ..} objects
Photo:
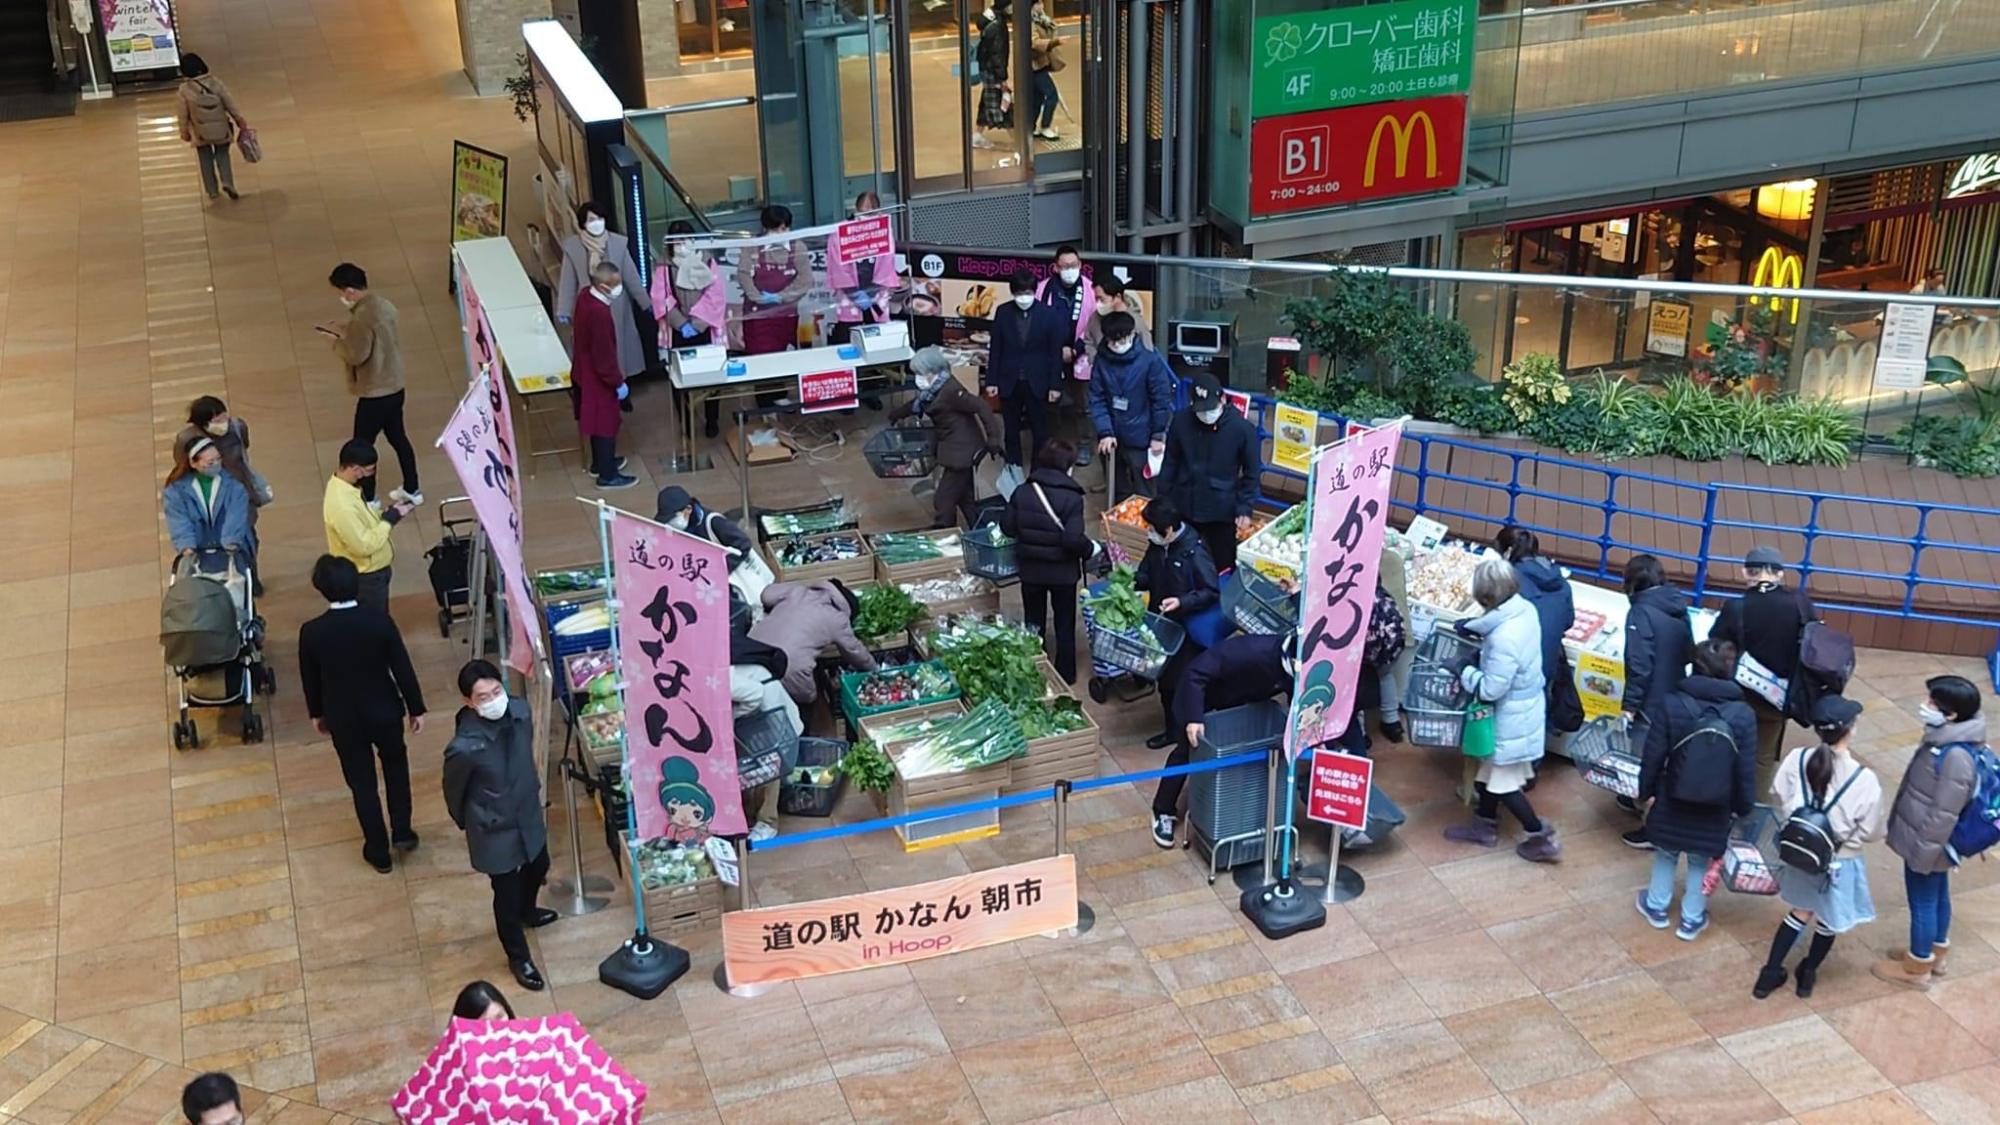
[
  {"x": 1394, "y": 732},
  {"x": 404, "y": 496},
  {"x": 1629, "y": 805},
  {"x": 615, "y": 481},
  {"x": 1540, "y": 847},
  {"x": 1770, "y": 979},
  {"x": 1482, "y": 832},
  {"x": 1688, "y": 931},
  {"x": 1636, "y": 838},
  {"x": 762, "y": 831},
  {"x": 406, "y": 843},
  {"x": 1654, "y": 918},
  {"x": 1163, "y": 830},
  {"x": 375, "y": 506},
  {"x": 979, "y": 141}
]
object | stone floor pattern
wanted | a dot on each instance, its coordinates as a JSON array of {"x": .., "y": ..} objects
[{"x": 163, "y": 913}]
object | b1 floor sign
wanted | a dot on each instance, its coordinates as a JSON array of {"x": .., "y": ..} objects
[{"x": 1307, "y": 161}]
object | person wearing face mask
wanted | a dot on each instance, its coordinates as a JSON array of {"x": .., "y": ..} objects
[
  {"x": 862, "y": 290},
  {"x": 371, "y": 349},
  {"x": 1131, "y": 403},
  {"x": 359, "y": 685},
  {"x": 1072, "y": 296},
  {"x": 1046, "y": 516},
  {"x": 773, "y": 276},
  {"x": 965, "y": 428},
  {"x": 1180, "y": 577},
  {"x": 748, "y": 573},
  {"x": 353, "y": 529},
  {"x": 691, "y": 303},
  {"x": 1025, "y": 362},
  {"x": 206, "y": 508},
  {"x": 1113, "y": 296},
  {"x": 493, "y": 791},
  {"x": 1243, "y": 669},
  {"x": 595, "y": 373},
  {"x": 1212, "y": 468},
  {"x": 1942, "y": 777},
  {"x": 208, "y": 417},
  {"x": 595, "y": 244},
  {"x": 1764, "y": 625}
]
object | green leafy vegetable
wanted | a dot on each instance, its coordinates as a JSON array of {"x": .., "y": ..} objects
[
  {"x": 898, "y": 547},
  {"x": 991, "y": 660},
  {"x": 1120, "y": 607},
  {"x": 983, "y": 736},
  {"x": 885, "y": 609},
  {"x": 869, "y": 768},
  {"x": 1055, "y": 715}
]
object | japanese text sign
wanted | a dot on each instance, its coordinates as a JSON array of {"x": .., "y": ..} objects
[
  {"x": 480, "y": 445},
  {"x": 821, "y": 391},
  {"x": 672, "y": 593},
  {"x": 1339, "y": 791},
  {"x": 478, "y": 193},
  {"x": 1292, "y": 440},
  {"x": 1600, "y": 684},
  {"x": 1361, "y": 54},
  {"x": 862, "y": 239},
  {"x": 835, "y": 935},
  {"x": 1349, "y": 495},
  {"x": 1337, "y": 156}
]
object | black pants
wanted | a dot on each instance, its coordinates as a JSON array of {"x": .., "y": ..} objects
[
  {"x": 358, "y": 746},
  {"x": 604, "y": 457},
  {"x": 1036, "y": 604},
  {"x": 1170, "y": 679},
  {"x": 953, "y": 498},
  {"x": 1129, "y": 467},
  {"x": 373, "y": 592},
  {"x": 383, "y": 416},
  {"x": 514, "y": 896},
  {"x": 1167, "y": 798},
  {"x": 1220, "y": 539},
  {"x": 1026, "y": 409}
]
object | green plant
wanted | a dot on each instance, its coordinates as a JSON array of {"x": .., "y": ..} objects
[
  {"x": 869, "y": 768},
  {"x": 1697, "y": 423},
  {"x": 523, "y": 89},
  {"x": 886, "y": 608},
  {"x": 1955, "y": 444},
  {"x": 1734, "y": 354},
  {"x": 1358, "y": 314},
  {"x": 1629, "y": 418},
  {"x": 992, "y": 661},
  {"x": 1574, "y": 426},
  {"x": 1475, "y": 406},
  {"x": 1533, "y": 383},
  {"x": 1428, "y": 355}
]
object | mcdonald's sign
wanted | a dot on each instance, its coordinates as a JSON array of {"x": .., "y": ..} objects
[
  {"x": 1779, "y": 269},
  {"x": 1306, "y": 161}
]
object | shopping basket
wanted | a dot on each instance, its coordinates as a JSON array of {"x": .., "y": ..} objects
[
  {"x": 989, "y": 553},
  {"x": 804, "y": 798},
  {"x": 1746, "y": 868},
  {"x": 1434, "y": 703},
  {"x": 1256, "y": 603},
  {"x": 901, "y": 452},
  {"x": 1602, "y": 752},
  {"x": 766, "y": 747},
  {"x": 1141, "y": 652}
]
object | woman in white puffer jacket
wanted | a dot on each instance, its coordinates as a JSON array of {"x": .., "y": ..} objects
[{"x": 1508, "y": 675}]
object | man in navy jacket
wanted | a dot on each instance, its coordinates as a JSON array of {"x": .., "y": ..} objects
[
  {"x": 1131, "y": 402},
  {"x": 1024, "y": 363}
]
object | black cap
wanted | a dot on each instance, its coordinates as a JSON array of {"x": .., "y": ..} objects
[
  {"x": 1835, "y": 712},
  {"x": 673, "y": 499},
  {"x": 1206, "y": 388},
  {"x": 1761, "y": 556}
]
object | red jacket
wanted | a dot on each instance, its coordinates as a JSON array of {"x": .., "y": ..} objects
[{"x": 594, "y": 367}]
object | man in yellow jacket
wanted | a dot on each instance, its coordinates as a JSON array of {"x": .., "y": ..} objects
[{"x": 353, "y": 529}]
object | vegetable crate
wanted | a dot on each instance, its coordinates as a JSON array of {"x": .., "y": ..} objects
[
  {"x": 689, "y": 908},
  {"x": 856, "y": 571},
  {"x": 951, "y": 556},
  {"x": 1602, "y": 752},
  {"x": 852, "y": 707},
  {"x": 1058, "y": 757},
  {"x": 599, "y": 735},
  {"x": 901, "y": 452},
  {"x": 989, "y": 554},
  {"x": 1124, "y": 526},
  {"x": 986, "y": 601},
  {"x": 805, "y": 798},
  {"x": 807, "y": 519},
  {"x": 1140, "y": 652},
  {"x": 908, "y": 795},
  {"x": 1255, "y": 603}
]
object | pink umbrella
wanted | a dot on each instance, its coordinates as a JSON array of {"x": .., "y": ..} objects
[{"x": 541, "y": 1071}]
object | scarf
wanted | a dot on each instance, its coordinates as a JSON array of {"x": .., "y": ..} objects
[
  {"x": 593, "y": 245},
  {"x": 691, "y": 268}
]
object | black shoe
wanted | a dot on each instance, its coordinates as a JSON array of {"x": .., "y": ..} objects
[
  {"x": 529, "y": 976},
  {"x": 406, "y": 843},
  {"x": 1770, "y": 979},
  {"x": 381, "y": 864},
  {"x": 1636, "y": 838},
  {"x": 1160, "y": 741},
  {"x": 1394, "y": 732},
  {"x": 539, "y": 917},
  {"x": 1629, "y": 805},
  {"x": 1804, "y": 978},
  {"x": 615, "y": 481},
  {"x": 712, "y": 429}
]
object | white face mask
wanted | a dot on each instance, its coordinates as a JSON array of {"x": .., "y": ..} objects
[
  {"x": 492, "y": 708},
  {"x": 615, "y": 291},
  {"x": 594, "y": 227},
  {"x": 1104, "y": 308},
  {"x": 1120, "y": 347},
  {"x": 1210, "y": 416},
  {"x": 1155, "y": 538},
  {"x": 1930, "y": 716},
  {"x": 927, "y": 379},
  {"x": 1069, "y": 275},
  {"x": 212, "y": 469},
  {"x": 346, "y": 301},
  {"x": 679, "y": 521},
  {"x": 1023, "y": 300},
  {"x": 217, "y": 427}
]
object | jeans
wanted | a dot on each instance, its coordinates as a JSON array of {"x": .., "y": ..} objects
[
  {"x": 383, "y": 416},
  {"x": 514, "y": 895},
  {"x": 215, "y": 166},
  {"x": 358, "y": 746},
  {"x": 1043, "y": 107},
  {"x": 1930, "y": 910},
  {"x": 1391, "y": 709},
  {"x": 1036, "y": 603},
  {"x": 1660, "y": 890}
]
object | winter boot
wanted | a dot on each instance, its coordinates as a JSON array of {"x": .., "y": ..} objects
[
  {"x": 1481, "y": 831},
  {"x": 1906, "y": 971},
  {"x": 1540, "y": 847}
]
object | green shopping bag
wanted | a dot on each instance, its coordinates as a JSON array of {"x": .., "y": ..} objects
[{"x": 1480, "y": 735}]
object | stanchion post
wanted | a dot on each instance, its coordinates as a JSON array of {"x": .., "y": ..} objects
[
  {"x": 480, "y": 605},
  {"x": 1270, "y": 809},
  {"x": 1086, "y": 918},
  {"x": 572, "y": 894}
]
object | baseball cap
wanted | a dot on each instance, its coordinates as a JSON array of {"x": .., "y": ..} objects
[
  {"x": 1835, "y": 712},
  {"x": 1207, "y": 388},
  {"x": 1764, "y": 556}
]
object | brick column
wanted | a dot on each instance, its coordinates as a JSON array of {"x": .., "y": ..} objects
[{"x": 489, "y": 36}]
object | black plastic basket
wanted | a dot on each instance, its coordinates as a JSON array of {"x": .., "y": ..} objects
[
  {"x": 766, "y": 747},
  {"x": 901, "y": 452},
  {"x": 1434, "y": 726},
  {"x": 1603, "y": 754},
  {"x": 800, "y": 799},
  {"x": 989, "y": 553},
  {"x": 1256, "y": 604}
]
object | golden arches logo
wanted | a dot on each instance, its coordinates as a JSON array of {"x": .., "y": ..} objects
[
  {"x": 1401, "y": 133},
  {"x": 1779, "y": 269}
]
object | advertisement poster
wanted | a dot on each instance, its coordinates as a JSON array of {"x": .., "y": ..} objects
[
  {"x": 821, "y": 391},
  {"x": 859, "y": 240},
  {"x": 138, "y": 34},
  {"x": 481, "y": 449},
  {"x": 1667, "y": 323},
  {"x": 673, "y": 639},
  {"x": 835, "y": 935},
  {"x": 478, "y": 193},
  {"x": 1339, "y": 790},
  {"x": 1600, "y": 681},
  {"x": 1360, "y": 54},
  {"x": 1350, "y": 510},
  {"x": 953, "y": 296},
  {"x": 1294, "y": 431},
  {"x": 1311, "y": 160},
  {"x": 1905, "y": 347}
]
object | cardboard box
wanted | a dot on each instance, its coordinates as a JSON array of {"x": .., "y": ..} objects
[{"x": 773, "y": 451}]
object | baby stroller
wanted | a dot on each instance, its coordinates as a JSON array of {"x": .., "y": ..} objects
[{"x": 214, "y": 641}]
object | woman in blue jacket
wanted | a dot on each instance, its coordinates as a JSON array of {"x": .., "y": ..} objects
[
  {"x": 1131, "y": 402},
  {"x": 205, "y": 506}
]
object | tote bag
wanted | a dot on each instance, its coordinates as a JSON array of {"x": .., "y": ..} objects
[{"x": 1480, "y": 735}]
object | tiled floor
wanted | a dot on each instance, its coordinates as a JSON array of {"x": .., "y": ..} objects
[{"x": 165, "y": 912}]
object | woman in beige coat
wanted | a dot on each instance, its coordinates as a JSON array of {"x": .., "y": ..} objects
[{"x": 209, "y": 119}]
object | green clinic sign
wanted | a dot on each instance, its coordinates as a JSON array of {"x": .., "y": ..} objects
[{"x": 1353, "y": 56}]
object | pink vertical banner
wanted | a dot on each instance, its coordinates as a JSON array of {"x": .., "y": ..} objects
[
  {"x": 485, "y": 471},
  {"x": 673, "y": 644},
  {"x": 1350, "y": 508}
]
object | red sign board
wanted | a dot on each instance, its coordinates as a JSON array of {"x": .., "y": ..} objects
[
  {"x": 838, "y": 389},
  {"x": 1305, "y": 161},
  {"x": 1339, "y": 793},
  {"x": 858, "y": 240}
]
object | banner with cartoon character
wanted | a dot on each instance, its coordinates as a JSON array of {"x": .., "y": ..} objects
[
  {"x": 479, "y": 441},
  {"x": 1349, "y": 510},
  {"x": 672, "y": 593}
]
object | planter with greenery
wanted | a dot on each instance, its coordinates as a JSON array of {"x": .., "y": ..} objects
[{"x": 1966, "y": 445}]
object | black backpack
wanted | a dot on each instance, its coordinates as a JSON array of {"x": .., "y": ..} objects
[
  {"x": 1807, "y": 841},
  {"x": 1701, "y": 767}
]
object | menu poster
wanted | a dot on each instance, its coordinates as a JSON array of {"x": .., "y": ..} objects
[
  {"x": 478, "y": 193},
  {"x": 139, "y": 34},
  {"x": 1903, "y": 353},
  {"x": 1667, "y": 327}
]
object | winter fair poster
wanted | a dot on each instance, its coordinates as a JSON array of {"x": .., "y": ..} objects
[{"x": 139, "y": 34}]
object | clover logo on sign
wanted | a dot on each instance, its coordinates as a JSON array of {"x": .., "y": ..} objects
[{"x": 1283, "y": 43}]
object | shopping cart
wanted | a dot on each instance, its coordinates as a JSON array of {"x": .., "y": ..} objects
[
  {"x": 1138, "y": 655},
  {"x": 1434, "y": 703}
]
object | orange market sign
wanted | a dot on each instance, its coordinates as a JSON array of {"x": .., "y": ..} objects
[{"x": 837, "y": 935}]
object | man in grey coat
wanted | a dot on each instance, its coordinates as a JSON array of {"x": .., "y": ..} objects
[{"x": 494, "y": 793}]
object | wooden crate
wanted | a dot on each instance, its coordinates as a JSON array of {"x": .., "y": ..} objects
[
  {"x": 855, "y": 571},
  {"x": 870, "y": 725},
  {"x": 686, "y": 909},
  {"x": 951, "y": 562},
  {"x": 987, "y": 601},
  {"x": 1130, "y": 538},
  {"x": 1059, "y": 757},
  {"x": 906, "y": 796}
]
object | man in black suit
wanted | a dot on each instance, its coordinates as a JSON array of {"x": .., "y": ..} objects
[
  {"x": 359, "y": 685},
  {"x": 1025, "y": 362}
]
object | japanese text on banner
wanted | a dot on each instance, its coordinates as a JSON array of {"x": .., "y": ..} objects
[
  {"x": 483, "y": 457},
  {"x": 1350, "y": 509},
  {"x": 1338, "y": 793},
  {"x": 673, "y": 642}
]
